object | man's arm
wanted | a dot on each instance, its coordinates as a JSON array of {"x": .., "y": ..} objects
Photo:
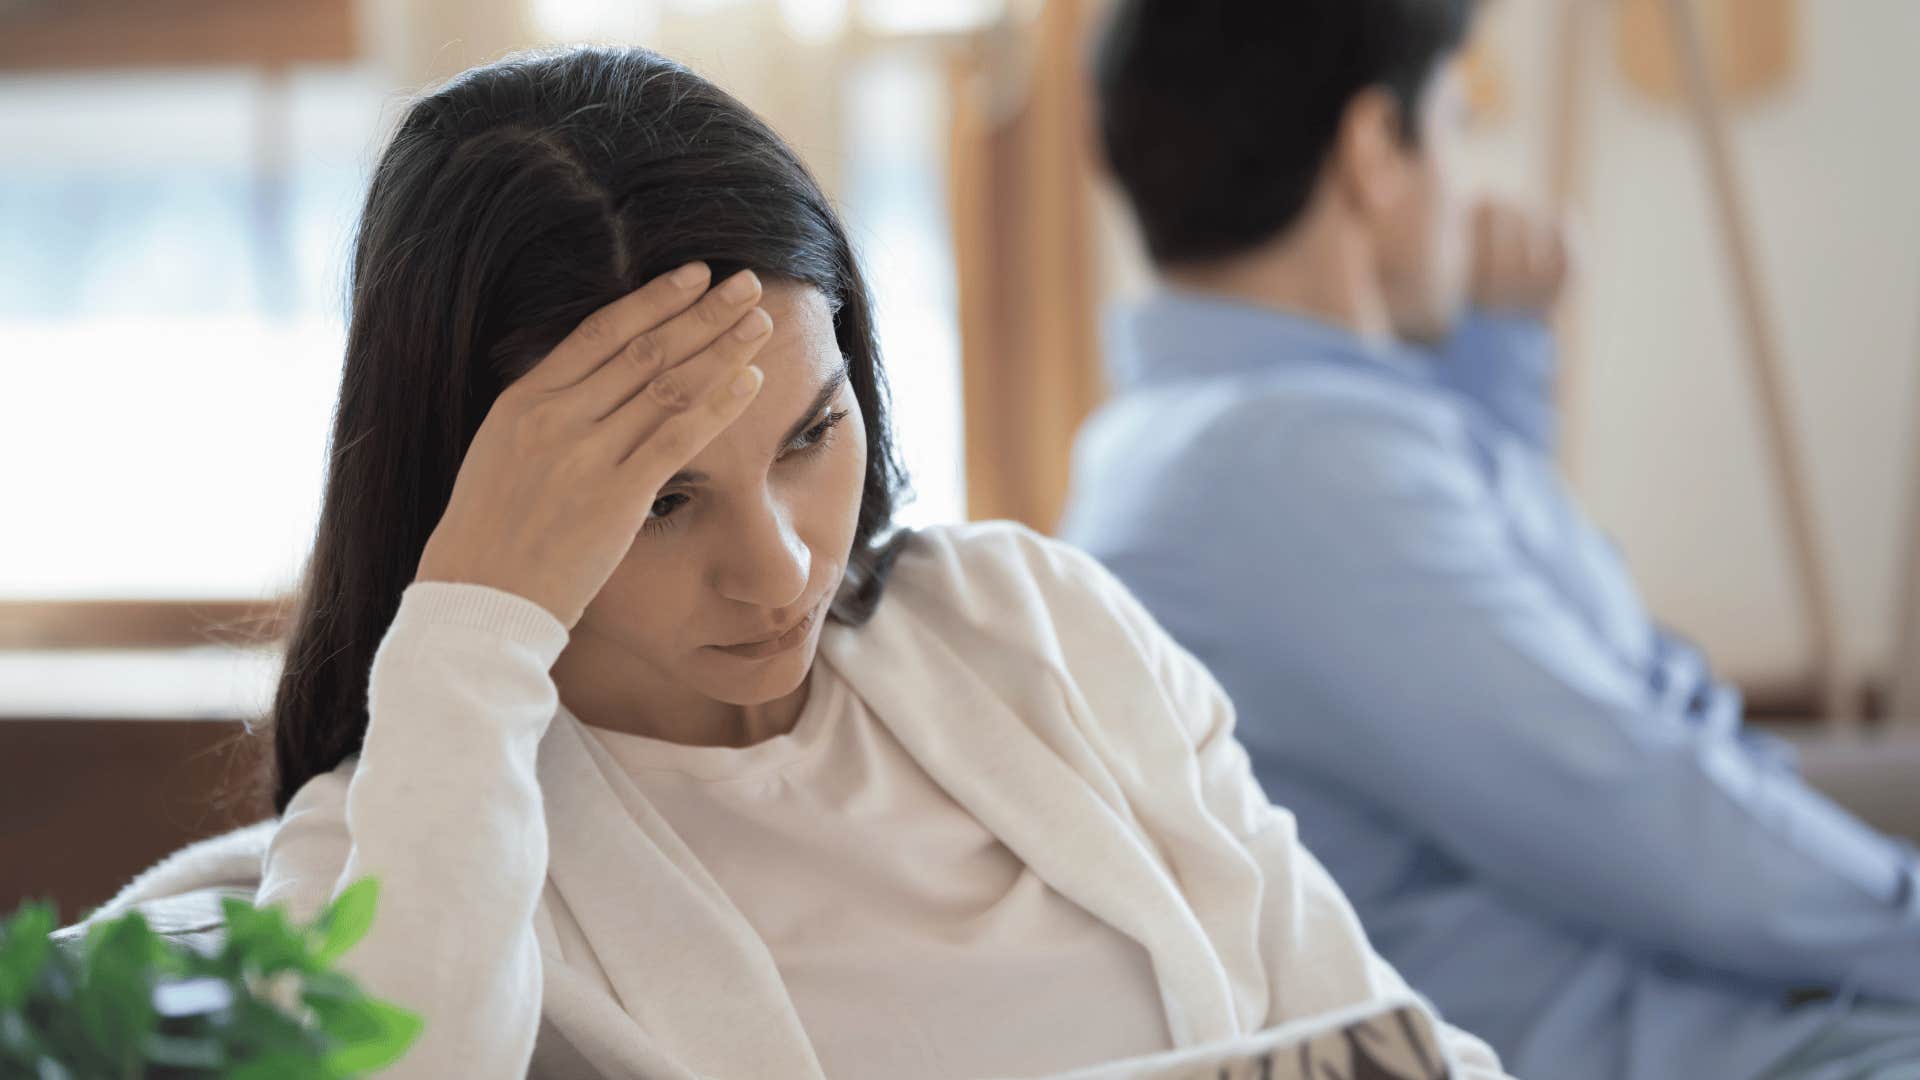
[
  {"x": 1405, "y": 647},
  {"x": 1505, "y": 363},
  {"x": 1502, "y": 355}
]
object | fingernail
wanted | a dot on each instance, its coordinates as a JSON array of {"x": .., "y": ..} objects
[
  {"x": 739, "y": 286},
  {"x": 689, "y": 275},
  {"x": 746, "y": 382},
  {"x": 754, "y": 326}
]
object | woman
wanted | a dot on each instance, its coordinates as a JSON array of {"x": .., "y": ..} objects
[{"x": 670, "y": 760}]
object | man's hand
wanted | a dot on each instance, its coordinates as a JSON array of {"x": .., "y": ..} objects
[{"x": 1521, "y": 259}]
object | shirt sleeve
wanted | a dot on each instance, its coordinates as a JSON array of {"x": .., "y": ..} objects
[
  {"x": 1506, "y": 364},
  {"x": 445, "y": 809},
  {"x": 1422, "y": 660}
]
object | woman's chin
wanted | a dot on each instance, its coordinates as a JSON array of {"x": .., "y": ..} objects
[{"x": 745, "y": 681}]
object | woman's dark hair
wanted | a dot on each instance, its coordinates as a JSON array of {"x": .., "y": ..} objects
[
  {"x": 1215, "y": 118},
  {"x": 512, "y": 202}
]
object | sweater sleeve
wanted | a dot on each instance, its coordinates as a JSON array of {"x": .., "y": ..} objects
[{"x": 443, "y": 806}]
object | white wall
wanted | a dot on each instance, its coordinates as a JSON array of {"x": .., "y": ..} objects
[{"x": 1665, "y": 438}]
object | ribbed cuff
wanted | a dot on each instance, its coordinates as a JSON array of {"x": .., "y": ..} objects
[{"x": 485, "y": 608}]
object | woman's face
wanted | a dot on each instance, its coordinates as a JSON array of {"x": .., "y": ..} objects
[{"x": 725, "y": 589}]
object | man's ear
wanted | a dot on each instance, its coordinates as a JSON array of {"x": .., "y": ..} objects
[{"x": 1369, "y": 159}]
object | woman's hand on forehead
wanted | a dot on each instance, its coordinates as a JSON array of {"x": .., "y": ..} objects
[{"x": 571, "y": 456}]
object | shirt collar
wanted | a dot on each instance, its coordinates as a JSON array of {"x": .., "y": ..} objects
[{"x": 1177, "y": 334}]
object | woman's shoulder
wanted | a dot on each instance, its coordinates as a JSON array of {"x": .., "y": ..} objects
[
  {"x": 1050, "y": 599},
  {"x": 1003, "y": 575},
  {"x": 997, "y": 564},
  {"x": 1005, "y": 580},
  {"x": 310, "y": 845},
  {"x": 324, "y": 794}
]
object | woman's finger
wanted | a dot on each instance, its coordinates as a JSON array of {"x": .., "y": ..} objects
[
  {"x": 682, "y": 435},
  {"x": 605, "y": 332},
  {"x": 681, "y": 389},
  {"x": 650, "y": 355}
]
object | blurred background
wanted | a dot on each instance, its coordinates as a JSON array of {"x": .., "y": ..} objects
[{"x": 179, "y": 181}]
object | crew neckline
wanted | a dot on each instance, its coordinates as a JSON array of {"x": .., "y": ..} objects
[{"x": 643, "y": 753}]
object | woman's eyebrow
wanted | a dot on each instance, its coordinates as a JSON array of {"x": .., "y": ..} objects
[{"x": 829, "y": 389}]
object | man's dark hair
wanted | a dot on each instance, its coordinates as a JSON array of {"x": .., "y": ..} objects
[{"x": 1216, "y": 115}]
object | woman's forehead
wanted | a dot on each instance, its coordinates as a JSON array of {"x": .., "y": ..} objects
[
  {"x": 801, "y": 360},
  {"x": 802, "y": 351}
]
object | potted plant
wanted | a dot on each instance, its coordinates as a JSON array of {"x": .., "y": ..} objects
[{"x": 128, "y": 1002}]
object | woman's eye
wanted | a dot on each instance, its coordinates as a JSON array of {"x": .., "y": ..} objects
[
  {"x": 663, "y": 508},
  {"x": 818, "y": 434}
]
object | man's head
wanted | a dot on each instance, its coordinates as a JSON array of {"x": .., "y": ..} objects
[{"x": 1229, "y": 124}]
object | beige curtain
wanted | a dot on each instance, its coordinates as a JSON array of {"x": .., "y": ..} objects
[{"x": 1021, "y": 187}]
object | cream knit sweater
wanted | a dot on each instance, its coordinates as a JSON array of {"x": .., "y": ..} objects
[{"x": 546, "y": 921}]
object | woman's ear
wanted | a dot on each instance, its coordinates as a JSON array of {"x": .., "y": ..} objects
[{"x": 1370, "y": 159}]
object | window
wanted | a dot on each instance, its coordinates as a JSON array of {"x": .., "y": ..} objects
[{"x": 172, "y": 253}]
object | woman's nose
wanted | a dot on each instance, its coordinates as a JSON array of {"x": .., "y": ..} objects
[{"x": 764, "y": 562}]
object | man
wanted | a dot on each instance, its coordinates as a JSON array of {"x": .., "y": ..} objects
[{"x": 1333, "y": 482}]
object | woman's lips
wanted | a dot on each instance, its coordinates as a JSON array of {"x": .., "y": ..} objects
[{"x": 760, "y": 650}]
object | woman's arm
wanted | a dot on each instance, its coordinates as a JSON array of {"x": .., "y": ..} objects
[
  {"x": 1311, "y": 940},
  {"x": 445, "y": 809},
  {"x": 1310, "y": 935}
]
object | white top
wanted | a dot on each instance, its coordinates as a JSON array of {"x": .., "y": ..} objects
[
  {"x": 547, "y": 920},
  {"x": 912, "y": 942}
]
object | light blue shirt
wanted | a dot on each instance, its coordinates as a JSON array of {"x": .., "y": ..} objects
[{"x": 1544, "y": 808}]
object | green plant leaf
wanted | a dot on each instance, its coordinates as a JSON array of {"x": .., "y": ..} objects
[
  {"x": 238, "y": 916},
  {"x": 276, "y": 946},
  {"x": 17, "y": 1042},
  {"x": 283, "y": 1065},
  {"x": 347, "y": 1021},
  {"x": 347, "y": 919},
  {"x": 128, "y": 1002},
  {"x": 25, "y": 945},
  {"x": 329, "y": 985},
  {"x": 115, "y": 1002},
  {"x": 373, "y": 1034},
  {"x": 258, "y": 1027},
  {"x": 185, "y": 1051}
]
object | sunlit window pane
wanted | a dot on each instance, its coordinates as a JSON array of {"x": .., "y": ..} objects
[
  {"x": 928, "y": 16},
  {"x": 171, "y": 248},
  {"x": 896, "y": 203}
]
